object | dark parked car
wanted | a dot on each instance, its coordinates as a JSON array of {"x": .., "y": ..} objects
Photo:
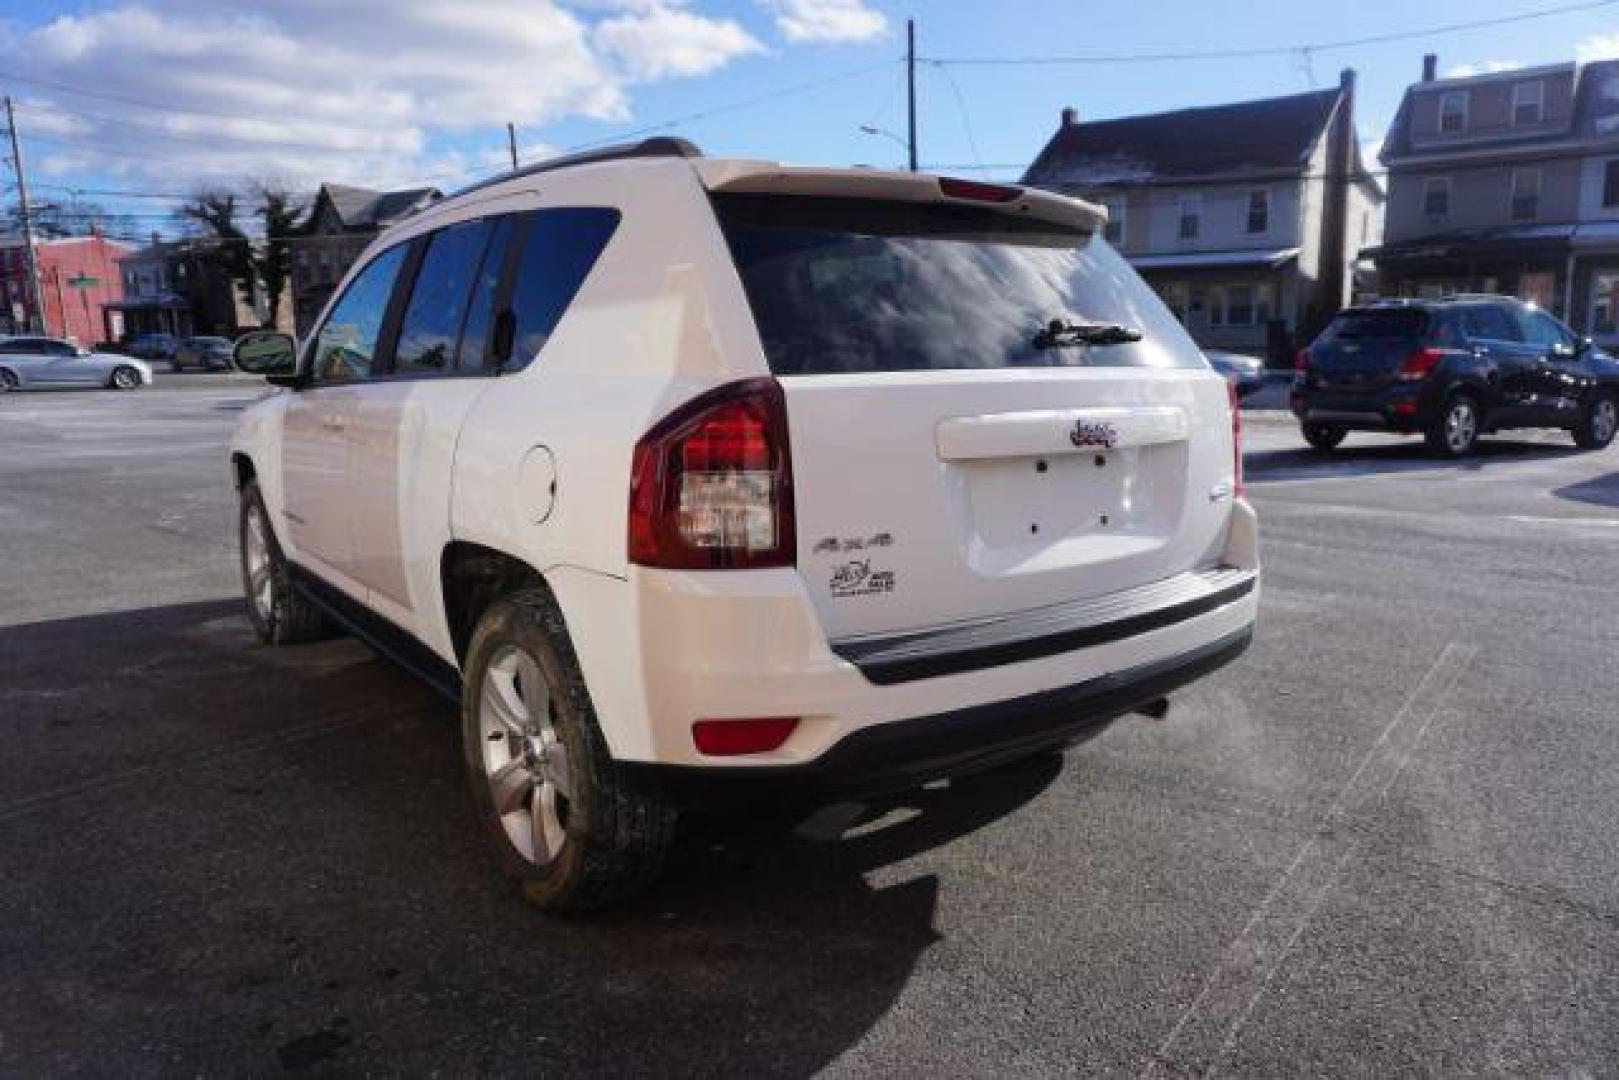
[
  {"x": 207, "y": 353},
  {"x": 1246, "y": 374},
  {"x": 1452, "y": 370},
  {"x": 153, "y": 346}
]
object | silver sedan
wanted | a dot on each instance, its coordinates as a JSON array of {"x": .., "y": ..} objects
[{"x": 41, "y": 361}]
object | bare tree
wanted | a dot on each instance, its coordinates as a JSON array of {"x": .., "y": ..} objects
[{"x": 215, "y": 212}]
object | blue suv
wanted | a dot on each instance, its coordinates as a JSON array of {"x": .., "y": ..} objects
[{"x": 1453, "y": 370}]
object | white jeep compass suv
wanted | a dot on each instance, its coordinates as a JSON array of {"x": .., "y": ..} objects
[{"x": 688, "y": 476}]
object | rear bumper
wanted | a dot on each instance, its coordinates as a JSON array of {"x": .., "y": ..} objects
[
  {"x": 1404, "y": 407},
  {"x": 906, "y": 753}
]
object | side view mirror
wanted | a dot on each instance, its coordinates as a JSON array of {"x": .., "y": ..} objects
[{"x": 266, "y": 352}]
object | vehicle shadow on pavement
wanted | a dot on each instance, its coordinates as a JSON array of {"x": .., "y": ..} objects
[
  {"x": 1598, "y": 491},
  {"x": 275, "y": 866},
  {"x": 1405, "y": 457}
]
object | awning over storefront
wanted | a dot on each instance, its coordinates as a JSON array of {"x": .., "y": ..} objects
[
  {"x": 158, "y": 302},
  {"x": 1191, "y": 260},
  {"x": 1512, "y": 241}
]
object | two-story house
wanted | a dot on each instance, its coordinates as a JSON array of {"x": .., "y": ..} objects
[
  {"x": 182, "y": 287},
  {"x": 342, "y": 222},
  {"x": 1508, "y": 183},
  {"x": 1246, "y": 218}
]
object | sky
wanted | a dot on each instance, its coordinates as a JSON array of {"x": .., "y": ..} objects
[{"x": 156, "y": 99}]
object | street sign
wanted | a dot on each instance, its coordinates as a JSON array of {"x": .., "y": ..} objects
[{"x": 83, "y": 281}]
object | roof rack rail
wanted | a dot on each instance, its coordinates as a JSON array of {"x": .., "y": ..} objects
[{"x": 657, "y": 146}]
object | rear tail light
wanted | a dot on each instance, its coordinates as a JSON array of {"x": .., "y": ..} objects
[
  {"x": 711, "y": 487},
  {"x": 1301, "y": 361},
  {"x": 1236, "y": 442},
  {"x": 731, "y": 738},
  {"x": 978, "y": 191},
  {"x": 1418, "y": 364}
]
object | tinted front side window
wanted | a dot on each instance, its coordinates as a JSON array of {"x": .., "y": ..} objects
[
  {"x": 845, "y": 285},
  {"x": 346, "y": 346},
  {"x": 1540, "y": 328},
  {"x": 431, "y": 327},
  {"x": 559, "y": 248}
]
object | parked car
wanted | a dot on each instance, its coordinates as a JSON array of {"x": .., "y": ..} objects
[
  {"x": 1453, "y": 370},
  {"x": 27, "y": 362},
  {"x": 207, "y": 353},
  {"x": 1246, "y": 374},
  {"x": 753, "y": 480},
  {"x": 153, "y": 346}
]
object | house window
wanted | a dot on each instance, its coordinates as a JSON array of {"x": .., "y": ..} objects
[
  {"x": 1525, "y": 194},
  {"x": 1453, "y": 112},
  {"x": 1239, "y": 305},
  {"x": 1436, "y": 197},
  {"x": 1528, "y": 103},
  {"x": 1259, "y": 210},
  {"x": 1191, "y": 216},
  {"x": 1610, "y": 183},
  {"x": 1604, "y": 320},
  {"x": 1114, "y": 233},
  {"x": 1174, "y": 296}
]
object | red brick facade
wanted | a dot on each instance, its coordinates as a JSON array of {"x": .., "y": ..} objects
[{"x": 74, "y": 306}]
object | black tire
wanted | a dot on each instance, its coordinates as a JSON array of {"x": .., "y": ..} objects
[
  {"x": 615, "y": 834},
  {"x": 124, "y": 377},
  {"x": 8, "y": 380},
  {"x": 1324, "y": 437},
  {"x": 1453, "y": 433},
  {"x": 287, "y": 618},
  {"x": 1599, "y": 421}
]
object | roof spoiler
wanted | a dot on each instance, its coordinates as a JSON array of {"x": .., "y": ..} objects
[{"x": 765, "y": 178}]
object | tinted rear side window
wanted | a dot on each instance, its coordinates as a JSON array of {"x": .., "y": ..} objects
[
  {"x": 559, "y": 247},
  {"x": 1398, "y": 323},
  {"x": 848, "y": 285},
  {"x": 438, "y": 299},
  {"x": 1487, "y": 322}
]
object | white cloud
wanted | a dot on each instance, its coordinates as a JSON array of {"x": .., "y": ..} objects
[
  {"x": 1597, "y": 47},
  {"x": 372, "y": 92},
  {"x": 661, "y": 41},
  {"x": 826, "y": 20},
  {"x": 1482, "y": 67}
]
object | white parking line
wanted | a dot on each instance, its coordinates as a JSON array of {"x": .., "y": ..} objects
[
  {"x": 1530, "y": 519},
  {"x": 1209, "y": 1028}
]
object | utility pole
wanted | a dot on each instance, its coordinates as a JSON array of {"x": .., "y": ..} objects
[
  {"x": 910, "y": 85},
  {"x": 511, "y": 142},
  {"x": 36, "y": 299}
]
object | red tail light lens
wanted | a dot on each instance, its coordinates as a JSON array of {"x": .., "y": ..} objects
[
  {"x": 731, "y": 738},
  {"x": 711, "y": 487},
  {"x": 1301, "y": 361},
  {"x": 1236, "y": 442},
  {"x": 978, "y": 191},
  {"x": 1418, "y": 364}
]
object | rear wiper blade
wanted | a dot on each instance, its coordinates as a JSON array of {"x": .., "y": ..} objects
[{"x": 1059, "y": 334}]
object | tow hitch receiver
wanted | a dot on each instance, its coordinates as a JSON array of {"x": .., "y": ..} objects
[{"x": 1155, "y": 710}]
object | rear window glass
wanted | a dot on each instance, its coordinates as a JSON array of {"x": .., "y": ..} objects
[
  {"x": 853, "y": 285},
  {"x": 1398, "y": 323}
]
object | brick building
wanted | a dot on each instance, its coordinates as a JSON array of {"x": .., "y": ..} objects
[{"x": 79, "y": 282}]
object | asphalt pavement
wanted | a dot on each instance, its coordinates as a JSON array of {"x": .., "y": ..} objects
[{"x": 1385, "y": 841}]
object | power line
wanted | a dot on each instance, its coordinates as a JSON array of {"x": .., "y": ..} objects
[
  {"x": 1253, "y": 51},
  {"x": 202, "y": 138}
]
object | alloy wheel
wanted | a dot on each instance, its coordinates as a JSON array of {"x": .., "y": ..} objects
[
  {"x": 525, "y": 762},
  {"x": 1604, "y": 420},
  {"x": 256, "y": 554},
  {"x": 125, "y": 379},
  {"x": 1461, "y": 426}
]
